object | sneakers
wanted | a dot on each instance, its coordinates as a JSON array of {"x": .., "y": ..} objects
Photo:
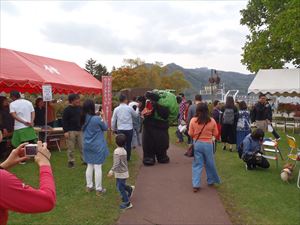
[
  {"x": 126, "y": 205},
  {"x": 196, "y": 189},
  {"x": 88, "y": 190},
  {"x": 100, "y": 193},
  {"x": 71, "y": 164},
  {"x": 130, "y": 194}
]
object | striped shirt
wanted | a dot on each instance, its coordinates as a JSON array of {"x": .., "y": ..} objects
[{"x": 120, "y": 167}]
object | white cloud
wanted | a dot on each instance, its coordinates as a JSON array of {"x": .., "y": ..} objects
[{"x": 192, "y": 34}]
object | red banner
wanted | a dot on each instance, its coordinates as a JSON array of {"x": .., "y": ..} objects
[{"x": 107, "y": 98}]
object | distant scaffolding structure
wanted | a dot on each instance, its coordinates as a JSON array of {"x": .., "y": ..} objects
[
  {"x": 214, "y": 88},
  {"x": 217, "y": 90}
]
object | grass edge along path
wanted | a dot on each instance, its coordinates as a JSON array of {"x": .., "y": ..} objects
[
  {"x": 74, "y": 206},
  {"x": 255, "y": 197}
]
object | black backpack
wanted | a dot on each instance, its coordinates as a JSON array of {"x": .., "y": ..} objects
[{"x": 228, "y": 116}]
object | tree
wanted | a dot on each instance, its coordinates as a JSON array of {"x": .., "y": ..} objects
[
  {"x": 90, "y": 66},
  {"x": 175, "y": 81},
  {"x": 100, "y": 71},
  {"x": 96, "y": 69},
  {"x": 136, "y": 73},
  {"x": 274, "y": 39}
]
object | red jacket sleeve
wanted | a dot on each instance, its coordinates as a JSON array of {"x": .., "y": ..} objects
[{"x": 18, "y": 197}]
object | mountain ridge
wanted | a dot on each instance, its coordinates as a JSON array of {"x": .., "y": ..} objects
[{"x": 198, "y": 78}]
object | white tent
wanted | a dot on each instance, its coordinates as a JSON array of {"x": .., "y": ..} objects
[{"x": 280, "y": 82}]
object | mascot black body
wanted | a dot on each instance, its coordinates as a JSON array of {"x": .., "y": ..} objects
[{"x": 155, "y": 133}]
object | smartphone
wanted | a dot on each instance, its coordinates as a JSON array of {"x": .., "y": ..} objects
[{"x": 31, "y": 150}]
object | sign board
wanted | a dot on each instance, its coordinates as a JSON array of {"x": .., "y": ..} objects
[
  {"x": 107, "y": 98},
  {"x": 47, "y": 93}
]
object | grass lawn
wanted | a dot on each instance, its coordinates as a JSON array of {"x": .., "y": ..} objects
[
  {"x": 259, "y": 196},
  {"x": 74, "y": 206}
]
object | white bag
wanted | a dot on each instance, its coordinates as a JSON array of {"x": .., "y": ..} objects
[{"x": 270, "y": 128}]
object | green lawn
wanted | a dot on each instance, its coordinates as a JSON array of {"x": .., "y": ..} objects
[
  {"x": 256, "y": 197},
  {"x": 74, "y": 205}
]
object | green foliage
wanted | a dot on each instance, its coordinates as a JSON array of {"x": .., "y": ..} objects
[
  {"x": 96, "y": 69},
  {"x": 275, "y": 34}
]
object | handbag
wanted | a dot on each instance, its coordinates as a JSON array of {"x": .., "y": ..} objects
[{"x": 190, "y": 150}]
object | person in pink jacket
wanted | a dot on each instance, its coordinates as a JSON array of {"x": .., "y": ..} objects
[{"x": 19, "y": 197}]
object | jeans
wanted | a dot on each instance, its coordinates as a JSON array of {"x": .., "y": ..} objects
[
  {"x": 203, "y": 156},
  {"x": 136, "y": 141},
  {"x": 179, "y": 136},
  {"x": 128, "y": 134},
  {"x": 124, "y": 189},
  {"x": 240, "y": 136}
]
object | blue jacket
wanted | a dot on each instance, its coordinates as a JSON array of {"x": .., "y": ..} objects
[
  {"x": 250, "y": 146},
  {"x": 95, "y": 149}
]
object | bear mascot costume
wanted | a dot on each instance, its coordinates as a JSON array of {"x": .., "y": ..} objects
[{"x": 160, "y": 109}]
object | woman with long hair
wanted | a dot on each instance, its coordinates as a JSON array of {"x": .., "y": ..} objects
[
  {"x": 202, "y": 129},
  {"x": 229, "y": 122},
  {"x": 95, "y": 149}
]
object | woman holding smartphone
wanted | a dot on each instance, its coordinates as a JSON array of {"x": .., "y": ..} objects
[
  {"x": 18, "y": 197},
  {"x": 95, "y": 150}
]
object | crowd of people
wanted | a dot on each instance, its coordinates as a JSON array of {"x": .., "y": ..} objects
[{"x": 229, "y": 123}]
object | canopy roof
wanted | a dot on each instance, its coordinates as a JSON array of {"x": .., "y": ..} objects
[
  {"x": 280, "y": 82},
  {"x": 27, "y": 73}
]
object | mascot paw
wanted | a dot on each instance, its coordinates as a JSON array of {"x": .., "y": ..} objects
[
  {"x": 148, "y": 161},
  {"x": 164, "y": 160}
]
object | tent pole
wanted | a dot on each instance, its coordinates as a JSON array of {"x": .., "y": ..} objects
[{"x": 46, "y": 122}]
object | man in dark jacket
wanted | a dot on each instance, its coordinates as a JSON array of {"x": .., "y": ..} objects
[
  {"x": 72, "y": 127},
  {"x": 262, "y": 115}
]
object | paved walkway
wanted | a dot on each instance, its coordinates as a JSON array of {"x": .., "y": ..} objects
[{"x": 163, "y": 196}]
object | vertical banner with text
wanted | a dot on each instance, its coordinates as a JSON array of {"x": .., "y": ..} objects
[{"x": 107, "y": 98}]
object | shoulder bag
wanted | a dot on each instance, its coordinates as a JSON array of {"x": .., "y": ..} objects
[{"x": 190, "y": 151}]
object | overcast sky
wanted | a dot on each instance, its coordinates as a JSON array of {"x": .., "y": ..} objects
[{"x": 191, "y": 34}]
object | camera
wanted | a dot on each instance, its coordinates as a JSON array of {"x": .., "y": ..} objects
[{"x": 31, "y": 150}]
